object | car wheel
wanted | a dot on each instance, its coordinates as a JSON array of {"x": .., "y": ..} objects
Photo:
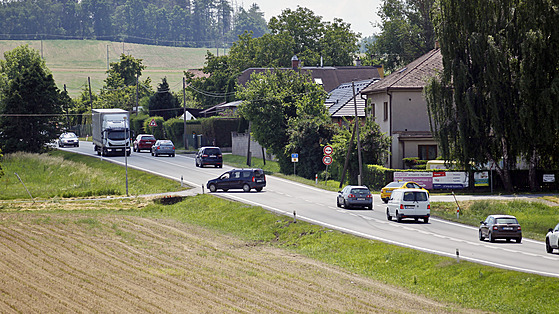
[
  {"x": 398, "y": 217},
  {"x": 258, "y": 189},
  {"x": 152, "y": 154},
  {"x": 220, "y": 166},
  {"x": 78, "y": 145},
  {"x": 490, "y": 236},
  {"x": 388, "y": 215},
  {"x": 548, "y": 247},
  {"x": 370, "y": 207},
  {"x": 173, "y": 155},
  {"x": 246, "y": 188},
  {"x": 225, "y": 190},
  {"x": 338, "y": 203},
  {"x": 481, "y": 237},
  {"x": 346, "y": 206},
  {"x": 518, "y": 240},
  {"x": 60, "y": 145},
  {"x": 426, "y": 220},
  {"x": 385, "y": 200},
  {"x": 212, "y": 188}
]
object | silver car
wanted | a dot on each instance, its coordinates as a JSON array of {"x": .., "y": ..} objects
[
  {"x": 355, "y": 196},
  {"x": 163, "y": 147},
  {"x": 68, "y": 139}
]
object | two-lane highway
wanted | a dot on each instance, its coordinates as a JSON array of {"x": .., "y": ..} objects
[{"x": 318, "y": 206}]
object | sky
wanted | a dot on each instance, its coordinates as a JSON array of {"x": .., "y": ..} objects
[{"x": 358, "y": 13}]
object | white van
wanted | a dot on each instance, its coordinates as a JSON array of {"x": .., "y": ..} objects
[{"x": 409, "y": 203}]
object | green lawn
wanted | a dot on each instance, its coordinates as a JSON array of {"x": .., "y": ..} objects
[
  {"x": 73, "y": 61},
  {"x": 60, "y": 174},
  {"x": 473, "y": 286},
  {"x": 468, "y": 284}
]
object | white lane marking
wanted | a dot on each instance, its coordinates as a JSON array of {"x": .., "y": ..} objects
[{"x": 424, "y": 249}]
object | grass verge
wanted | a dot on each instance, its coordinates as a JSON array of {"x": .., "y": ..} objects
[
  {"x": 470, "y": 285},
  {"x": 534, "y": 217},
  {"x": 63, "y": 174},
  {"x": 272, "y": 167}
]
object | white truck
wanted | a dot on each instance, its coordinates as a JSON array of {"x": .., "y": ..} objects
[{"x": 110, "y": 131}]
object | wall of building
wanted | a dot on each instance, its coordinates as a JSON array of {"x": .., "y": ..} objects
[
  {"x": 407, "y": 112},
  {"x": 240, "y": 146}
]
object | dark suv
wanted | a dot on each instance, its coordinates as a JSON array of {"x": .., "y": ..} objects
[
  {"x": 245, "y": 179},
  {"x": 209, "y": 156}
]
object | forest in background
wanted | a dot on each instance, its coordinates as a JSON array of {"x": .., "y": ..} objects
[{"x": 182, "y": 23}]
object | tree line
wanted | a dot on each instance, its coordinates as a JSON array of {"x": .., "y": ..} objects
[{"x": 185, "y": 23}]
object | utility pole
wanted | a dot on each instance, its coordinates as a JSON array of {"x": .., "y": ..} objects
[
  {"x": 137, "y": 94},
  {"x": 184, "y": 112},
  {"x": 90, "y": 98},
  {"x": 248, "y": 146},
  {"x": 107, "y": 57},
  {"x": 359, "y": 178}
]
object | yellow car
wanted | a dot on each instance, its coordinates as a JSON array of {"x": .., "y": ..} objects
[{"x": 386, "y": 191}]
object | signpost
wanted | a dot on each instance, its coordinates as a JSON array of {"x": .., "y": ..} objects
[
  {"x": 294, "y": 160},
  {"x": 328, "y": 150},
  {"x": 327, "y": 159}
]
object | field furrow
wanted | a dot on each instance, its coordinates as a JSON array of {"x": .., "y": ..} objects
[{"x": 69, "y": 262}]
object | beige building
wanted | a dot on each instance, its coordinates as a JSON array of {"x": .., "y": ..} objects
[{"x": 400, "y": 109}]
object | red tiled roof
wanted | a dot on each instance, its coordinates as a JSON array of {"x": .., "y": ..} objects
[
  {"x": 331, "y": 77},
  {"x": 412, "y": 76}
]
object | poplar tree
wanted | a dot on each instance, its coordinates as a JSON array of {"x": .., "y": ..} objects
[{"x": 496, "y": 98}]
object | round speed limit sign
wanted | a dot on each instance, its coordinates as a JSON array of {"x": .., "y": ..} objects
[{"x": 327, "y": 160}]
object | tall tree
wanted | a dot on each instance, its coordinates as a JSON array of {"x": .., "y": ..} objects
[
  {"x": 406, "y": 33},
  {"x": 271, "y": 100},
  {"x": 249, "y": 21},
  {"x": 537, "y": 43},
  {"x": 30, "y": 102},
  {"x": 312, "y": 37},
  {"x": 490, "y": 101},
  {"x": 163, "y": 103}
]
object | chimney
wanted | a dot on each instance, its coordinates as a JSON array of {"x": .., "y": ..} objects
[
  {"x": 358, "y": 62},
  {"x": 294, "y": 63}
]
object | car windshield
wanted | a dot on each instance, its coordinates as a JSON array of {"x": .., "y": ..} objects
[
  {"x": 415, "y": 196},
  {"x": 505, "y": 221},
  {"x": 395, "y": 184},
  {"x": 258, "y": 173},
  {"x": 68, "y": 135},
  {"x": 360, "y": 191},
  {"x": 148, "y": 138},
  {"x": 166, "y": 144},
  {"x": 117, "y": 135}
]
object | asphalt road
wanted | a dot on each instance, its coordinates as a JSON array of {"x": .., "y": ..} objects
[{"x": 318, "y": 206}]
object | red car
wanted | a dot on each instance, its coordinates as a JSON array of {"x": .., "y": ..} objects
[{"x": 143, "y": 141}]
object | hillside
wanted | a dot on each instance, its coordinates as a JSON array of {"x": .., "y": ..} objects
[{"x": 73, "y": 61}]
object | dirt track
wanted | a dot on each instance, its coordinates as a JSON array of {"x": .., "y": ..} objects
[{"x": 77, "y": 263}]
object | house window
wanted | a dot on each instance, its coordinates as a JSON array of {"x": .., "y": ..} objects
[
  {"x": 427, "y": 152},
  {"x": 385, "y": 111}
]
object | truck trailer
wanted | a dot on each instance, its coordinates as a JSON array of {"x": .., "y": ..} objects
[{"x": 111, "y": 131}]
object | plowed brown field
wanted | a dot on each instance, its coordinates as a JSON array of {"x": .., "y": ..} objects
[{"x": 70, "y": 262}]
